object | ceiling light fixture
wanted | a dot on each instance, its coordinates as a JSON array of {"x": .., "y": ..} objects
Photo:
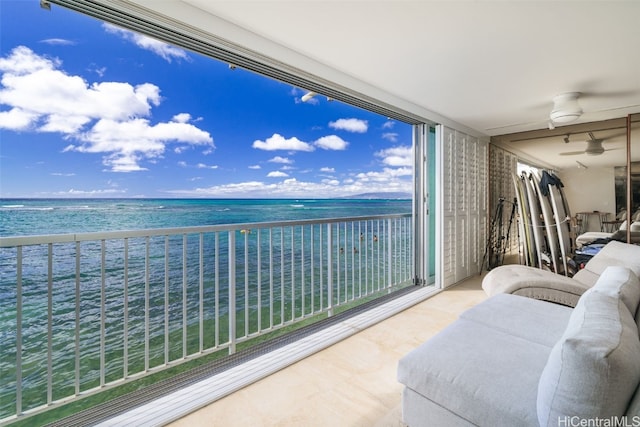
[
  {"x": 566, "y": 108},
  {"x": 594, "y": 147}
]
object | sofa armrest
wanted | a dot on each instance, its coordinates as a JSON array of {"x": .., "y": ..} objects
[{"x": 533, "y": 283}]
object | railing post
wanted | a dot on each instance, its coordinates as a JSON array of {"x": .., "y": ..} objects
[
  {"x": 77, "y": 321},
  {"x": 125, "y": 322},
  {"x": 184, "y": 296},
  {"x": 147, "y": 308},
  {"x": 232, "y": 291},
  {"x": 329, "y": 270},
  {"x": 103, "y": 310},
  {"x": 19, "y": 332},
  {"x": 49, "y": 323},
  {"x": 389, "y": 255}
]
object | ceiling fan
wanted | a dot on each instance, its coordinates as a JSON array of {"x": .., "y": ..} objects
[
  {"x": 566, "y": 109},
  {"x": 594, "y": 147}
]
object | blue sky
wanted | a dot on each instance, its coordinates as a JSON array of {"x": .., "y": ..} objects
[{"x": 91, "y": 110}]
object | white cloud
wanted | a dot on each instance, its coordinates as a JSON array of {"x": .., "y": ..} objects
[
  {"x": 162, "y": 49},
  {"x": 58, "y": 42},
  {"x": 62, "y": 123},
  {"x": 127, "y": 143},
  {"x": 255, "y": 167},
  {"x": 331, "y": 142},
  {"x": 383, "y": 176},
  {"x": 283, "y": 160},
  {"x": 16, "y": 119},
  {"x": 33, "y": 84},
  {"x": 99, "y": 71},
  {"x": 390, "y": 136},
  {"x": 240, "y": 189},
  {"x": 396, "y": 156},
  {"x": 198, "y": 165},
  {"x": 89, "y": 193},
  {"x": 278, "y": 142},
  {"x": 387, "y": 180},
  {"x": 350, "y": 125},
  {"x": 43, "y": 98},
  {"x": 276, "y": 174},
  {"x": 182, "y": 118},
  {"x": 332, "y": 182},
  {"x": 205, "y": 166},
  {"x": 23, "y": 61},
  {"x": 327, "y": 170},
  {"x": 389, "y": 124},
  {"x": 62, "y": 174}
]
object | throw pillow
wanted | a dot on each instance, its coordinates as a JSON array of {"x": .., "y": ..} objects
[
  {"x": 620, "y": 282},
  {"x": 594, "y": 369}
]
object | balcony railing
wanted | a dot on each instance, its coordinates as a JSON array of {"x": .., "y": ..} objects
[{"x": 80, "y": 313}]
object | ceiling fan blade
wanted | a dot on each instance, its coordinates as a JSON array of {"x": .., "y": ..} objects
[{"x": 572, "y": 153}]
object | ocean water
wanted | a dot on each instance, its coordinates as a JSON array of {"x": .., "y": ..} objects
[
  {"x": 360, "y": 267},
  {"x": 19, "y": 217}
]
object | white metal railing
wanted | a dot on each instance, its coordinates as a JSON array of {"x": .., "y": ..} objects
[{"x": 82, "y": 312}]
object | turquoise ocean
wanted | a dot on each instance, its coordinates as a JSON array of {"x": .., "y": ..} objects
[
  {"x": 19, "y": 217},
  {"x": 22, "y": 217}
]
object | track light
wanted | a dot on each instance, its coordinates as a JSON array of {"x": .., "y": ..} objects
[{"x": 566, "y": 139}]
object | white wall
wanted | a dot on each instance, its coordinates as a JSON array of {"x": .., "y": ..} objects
[{"x": 589, "y": 190}]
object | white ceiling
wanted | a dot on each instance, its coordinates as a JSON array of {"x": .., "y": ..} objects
[{"x": 491, "y": 66}]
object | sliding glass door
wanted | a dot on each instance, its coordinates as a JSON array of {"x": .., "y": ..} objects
[{"x": 424, "y": 203}]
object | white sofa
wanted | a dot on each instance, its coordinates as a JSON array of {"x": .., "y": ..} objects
[
  {"x": 517, "y": 361},
  {"x": 545, "y": 285},
  {"x": 620, "y": 235}
]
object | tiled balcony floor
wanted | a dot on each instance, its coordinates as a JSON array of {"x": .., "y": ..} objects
[{"x": 352, "y": 383}]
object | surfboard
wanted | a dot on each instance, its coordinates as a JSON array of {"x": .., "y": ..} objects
[
  {"x": 572, "y": 232},
  {"x": 549, "y": 226},
  {"x": 536, "y": 223},
  {"x": 526, "y": 234},
  {"x": 561, "y": 219}
]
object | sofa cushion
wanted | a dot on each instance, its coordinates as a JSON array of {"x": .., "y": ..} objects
[
  {"x": 613, "y": 254},
  {"x": 594, "y": 369},
  {"x": 483, "y": 375},
  {"x": 527, "y": 318}
]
